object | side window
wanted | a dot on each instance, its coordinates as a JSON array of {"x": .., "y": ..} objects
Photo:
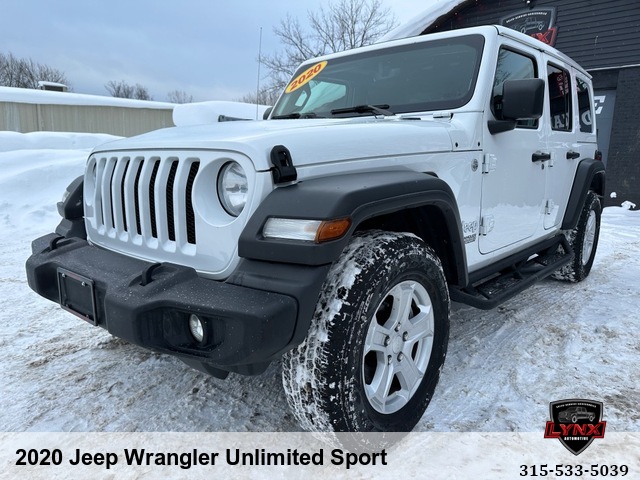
[
  {"x": 511, "y": 66},
  {"x": 559, "y": 82},
  {"x": 585, "y": 106}
]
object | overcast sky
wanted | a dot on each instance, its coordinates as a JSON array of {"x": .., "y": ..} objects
[{"x": 206, "y": 48}]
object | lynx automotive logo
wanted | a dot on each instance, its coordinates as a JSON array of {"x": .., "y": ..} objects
[
  {"x": 538, "y": 23},
  {"x": 575, "y": 423}
]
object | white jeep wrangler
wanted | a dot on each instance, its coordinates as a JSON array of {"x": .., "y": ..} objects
[{"x": 386, "y": 181}]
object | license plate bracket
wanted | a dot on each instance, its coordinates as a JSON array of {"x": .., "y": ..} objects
[{"x": 77, "y": 295}]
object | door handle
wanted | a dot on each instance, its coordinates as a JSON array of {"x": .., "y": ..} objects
[
  {"x": 540, "y": 157},
  {"x": 571, "y": 155}
]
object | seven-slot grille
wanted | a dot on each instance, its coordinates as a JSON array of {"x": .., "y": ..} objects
[{"x": 149, "y": 197}]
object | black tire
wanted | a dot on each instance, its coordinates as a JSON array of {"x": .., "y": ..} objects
[
  {"x": 330, "y": 379},
  {"x": 584, "y": 241}
]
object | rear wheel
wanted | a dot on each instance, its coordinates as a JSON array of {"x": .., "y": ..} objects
[
  {"x": 377, "y": 341},
  {"x": 584, "y": 241}
]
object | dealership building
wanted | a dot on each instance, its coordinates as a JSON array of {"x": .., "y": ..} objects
[{"x": 602, "y": 36}]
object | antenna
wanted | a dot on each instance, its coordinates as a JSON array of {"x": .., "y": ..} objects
[{"x": 259, "y": 62}]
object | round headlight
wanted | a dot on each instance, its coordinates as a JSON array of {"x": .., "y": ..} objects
[{"x": 232, "y": 188}]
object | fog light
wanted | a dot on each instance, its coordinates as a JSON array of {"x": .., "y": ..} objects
[{"x": 196, "y": 327}]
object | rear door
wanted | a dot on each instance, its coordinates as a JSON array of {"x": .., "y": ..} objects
[
  {"x": 571, "y": 133},
  {"x": 561, "y": 127}
]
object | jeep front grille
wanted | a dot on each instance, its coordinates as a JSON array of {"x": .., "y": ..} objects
[
  {"x": 146, "y": 197},
  {"x": 191, "y": 218},
  {"x": 163, "y": 206}
]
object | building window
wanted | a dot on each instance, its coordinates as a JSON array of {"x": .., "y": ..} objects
[
  {"x": 511, "y": 66},
  {"x": 559, "y": 98}
]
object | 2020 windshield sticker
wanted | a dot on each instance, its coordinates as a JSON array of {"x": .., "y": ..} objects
[{"x": 305, "y": 76}]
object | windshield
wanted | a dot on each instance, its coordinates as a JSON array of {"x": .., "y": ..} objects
[{"x": 424, "y": 76}]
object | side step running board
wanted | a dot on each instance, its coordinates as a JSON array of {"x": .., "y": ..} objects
[{"x": 489, "y": 288}]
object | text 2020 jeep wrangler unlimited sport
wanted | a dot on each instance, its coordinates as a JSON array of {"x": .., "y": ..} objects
[{"x": 386, "y": 181}]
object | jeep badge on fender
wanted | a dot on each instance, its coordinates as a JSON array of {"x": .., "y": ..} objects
[{"x": 386, "y": 181}]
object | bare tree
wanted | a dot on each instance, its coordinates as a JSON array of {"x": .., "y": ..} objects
[
  {"x": 179, "y": 96},
  {"x": 266, "y": 96},
  {"x": 119, "y": 89},
  {"x": 122, "y": 89},
  {"x": 26, "y": 73},
  {"x": 141, "y": 93},
  {"x": 339, "y": 26}
]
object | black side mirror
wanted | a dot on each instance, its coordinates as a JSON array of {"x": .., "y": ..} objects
[
  {"x": 266, "y": 113},
  {"x": 521, "y": 100}
]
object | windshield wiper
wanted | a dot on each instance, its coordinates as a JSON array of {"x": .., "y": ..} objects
[
  {"x": 296, "y": 115},
  {"x": 375, "y": 109}
]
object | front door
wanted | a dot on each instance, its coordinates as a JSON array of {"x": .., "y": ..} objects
[{"x": 514, "y": 167}]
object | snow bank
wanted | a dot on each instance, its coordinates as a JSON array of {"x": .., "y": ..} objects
[
  {"x": 35, "y": 169},
  {"x": 210, "y": 112},
  {"x": 28, "y": 95},
  {"x": 52, "y": 140}
]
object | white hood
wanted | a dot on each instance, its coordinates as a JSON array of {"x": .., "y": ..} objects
[{"x": 309, "y": 141}]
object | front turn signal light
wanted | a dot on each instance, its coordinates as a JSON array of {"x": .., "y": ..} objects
[{"x": 332, "y": 229}]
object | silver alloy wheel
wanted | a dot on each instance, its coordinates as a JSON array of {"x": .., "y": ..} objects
[
  {"x": 398, "y": 347},
  {"x": 589, "y": 238}
]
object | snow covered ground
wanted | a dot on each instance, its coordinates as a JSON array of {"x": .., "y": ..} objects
[{"x": 552, "y": 342}]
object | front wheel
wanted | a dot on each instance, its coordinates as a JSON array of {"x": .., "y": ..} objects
[{"x": 377, "y": 341}]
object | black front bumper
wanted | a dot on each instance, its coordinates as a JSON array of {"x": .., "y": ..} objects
[{"x": 246, "y": 324}]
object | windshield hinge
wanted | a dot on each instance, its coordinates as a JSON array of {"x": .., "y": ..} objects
[{"x": 283, "y": 170}]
